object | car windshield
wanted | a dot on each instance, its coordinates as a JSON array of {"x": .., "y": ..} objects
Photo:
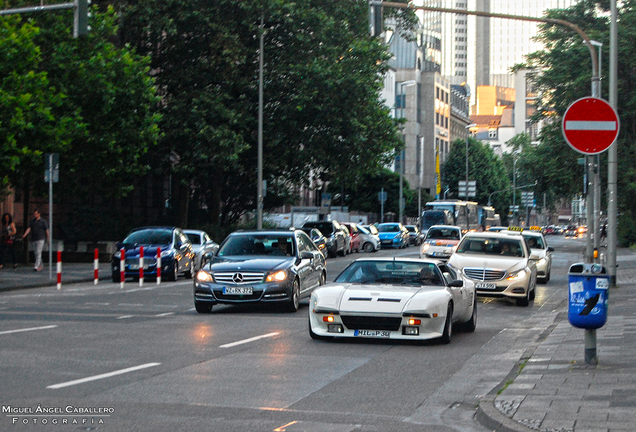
[
  {"x": 325, "y": 227},
  {"x": 391, "y": 272},
  {"x": 389, "y": 228},
  {"x": 149, "y": 237},
  {"x": 195, "y": 239},
  {"x": 443, "y": 233},
  {"x": 411, "y": 228},
  {"x": 258, "y": 244},
  {"x": 535, "y": 242},
  {"x": 491, "y": 246},
  {"x": 431, "y": 218}
]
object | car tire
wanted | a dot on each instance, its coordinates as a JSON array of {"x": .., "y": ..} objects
[
  {"x": 322, "y": 279},
  {"x": 470, "y": 325},
  {"x": 190, "y": 273},
  {"x": 367, "y": 247},
  {"x": 116, "y": 277},
  {"x": 294, "y": 300},
  {"x": 203, "y": 307},
  {"x": 174, "y": 272},
  {"x": 447, "y": 334},
  {"x": 525, "y": 300}
]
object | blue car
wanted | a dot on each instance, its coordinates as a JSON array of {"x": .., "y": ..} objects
[
  {"x": 393, "y": 235},
  {"x": 177, "y": 256}
]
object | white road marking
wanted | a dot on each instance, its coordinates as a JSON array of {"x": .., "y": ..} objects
[
  {"x": 27, "y": 329},
  {"x": 125, "y": 316},
  {"x": 165, "y": 314},
  {"x": 590, "y": 125},
  {"x": 102, "y": 376},
  {"x": 244, "y": 341}
]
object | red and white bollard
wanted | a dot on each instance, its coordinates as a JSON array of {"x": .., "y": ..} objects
[
  {"x": 59, "y": 269},
  {"x": 158, "y": 265},
  {"x": 122, "y": 267},
  {"x": 96, "y": 266},
  {"x": 141, "y": 266}
]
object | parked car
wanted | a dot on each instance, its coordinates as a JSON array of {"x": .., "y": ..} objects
[
  {"x": 177, "y": 256},
  {"x": 354, "y": 233},
  {"x": 202, "y": 246},
  {"x": 393, "y": 235},
  {"x": 538, "y": 245},
  {"x": 274, "y": 266},
  {"x": 318, "y": 238},
  {"x": 334, "y": 235},
  {"x": 369, "y": 242},
  {"x": 415, "y": 236},
  {"x": 440, "y": 241},
  {"x": 393, "y": 298},
  {"x": 500, "y": 265}
]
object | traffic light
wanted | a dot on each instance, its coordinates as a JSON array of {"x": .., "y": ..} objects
[
  {"x": 80, "y": 23},
  {"x": 375, "y": 17}
]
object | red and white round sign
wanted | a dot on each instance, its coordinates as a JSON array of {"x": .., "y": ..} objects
[{"x": 590, "y": 125}]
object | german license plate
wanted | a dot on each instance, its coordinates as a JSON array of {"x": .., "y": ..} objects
[
  {"x": 136, "y": 266},
  {"x": 238, "y": 290},
  {"x": 372, "y": 333},
  {"x": 486, "y": 285}
]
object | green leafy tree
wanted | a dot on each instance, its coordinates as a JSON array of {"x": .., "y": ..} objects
[
  {"x": 98, "y": 116},
  {"x": 322, "y": 113},
  {"x": 484, "y": 166},
  {"x": 564, "y": 72}
]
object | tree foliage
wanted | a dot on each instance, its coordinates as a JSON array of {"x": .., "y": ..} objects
[
  {"x": 485, "y": 167},
  {"x": 322, "y": 77},
  {"x": 564, "y": 72}
]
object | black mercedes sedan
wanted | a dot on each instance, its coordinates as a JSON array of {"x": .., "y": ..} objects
[{"x": 275, "y": 266}]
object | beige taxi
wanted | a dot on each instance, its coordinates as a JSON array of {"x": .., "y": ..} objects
[{"x": 538, "y": 246}]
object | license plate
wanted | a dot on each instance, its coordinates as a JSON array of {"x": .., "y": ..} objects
[
  {"x": 372, "y": 333},
  {"x": 238, "y": 290},
  {"x": 136, "y": 266},
  {"x": 486, "y": 285}
]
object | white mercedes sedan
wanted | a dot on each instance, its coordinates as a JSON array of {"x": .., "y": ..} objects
[{"x": 393, "y": 298}]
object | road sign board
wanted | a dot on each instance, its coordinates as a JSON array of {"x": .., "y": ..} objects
[{"x": 590, "y": 125}]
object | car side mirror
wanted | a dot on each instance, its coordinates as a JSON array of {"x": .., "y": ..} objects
[
  {"x": 550, "y": 249},
  {"x": 306, "y": 255},
  {"x": 457, "y": 283}
]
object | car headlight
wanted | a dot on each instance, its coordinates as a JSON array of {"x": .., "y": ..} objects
[
  {"x": 542, "y": 261},
  {"x": 203, "y": 276},
  {"x": 117, "y": 254},
  {"x": 278, "y": 276},
  {"x": 166, "y": 253},
  {"x": 517, "y": 275},
  {"x": 425, "y": 247}
]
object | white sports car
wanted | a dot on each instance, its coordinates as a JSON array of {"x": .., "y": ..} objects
[{"x": 393, "y": 298}]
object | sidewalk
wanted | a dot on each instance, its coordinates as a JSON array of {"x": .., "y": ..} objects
[
  {"x": 25, "y": 277},
  {"x": 552, "y": 389}
]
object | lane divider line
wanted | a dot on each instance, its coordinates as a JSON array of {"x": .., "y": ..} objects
[
  {"x": 244, "y": 341},
  {"x": 102, "y": 376},
  {"x": 125, "y": 317},
  {"x": 27, "y": 329},
  {"x": 165, "y": 314}
]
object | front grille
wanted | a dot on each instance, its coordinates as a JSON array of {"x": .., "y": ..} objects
[
  {"x": 484, "y": 274},
  {"x": 371, "y": 323},
  {"x": 239, "y": 278},
  {"x": 135, "y": 261}
]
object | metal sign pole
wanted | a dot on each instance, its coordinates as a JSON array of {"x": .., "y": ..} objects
[{"x": 50, "y": 239}]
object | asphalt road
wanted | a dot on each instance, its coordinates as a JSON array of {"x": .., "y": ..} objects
[{"x": 142, "y": 359}]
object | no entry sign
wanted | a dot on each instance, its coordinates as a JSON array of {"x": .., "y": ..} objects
[{"x": 590, "y": 125}]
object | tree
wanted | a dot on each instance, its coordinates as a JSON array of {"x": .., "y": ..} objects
[
  {"x": 98, "y": 114},
  {"x": 483, "y": 166},
  {"x": 322, "y": 112},
  {"x": 563, "y": 76}
]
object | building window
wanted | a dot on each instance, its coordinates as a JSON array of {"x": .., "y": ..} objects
[{"x": 492, "y": 133}]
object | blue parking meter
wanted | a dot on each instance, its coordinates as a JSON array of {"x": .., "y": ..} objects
[{"x": 588, "y": 288}]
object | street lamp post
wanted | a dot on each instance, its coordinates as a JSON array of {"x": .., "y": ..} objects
[
  {"x": 402, "y": 155},
  {"x": 469, "y": 127}
]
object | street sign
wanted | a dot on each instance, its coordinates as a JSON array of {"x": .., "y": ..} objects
[
  {"x": 382, "y": 196},
  {"x": 472, "y": 188},
  {"x": 52, "y": 163},
  {"x": 590, "y": 125}
]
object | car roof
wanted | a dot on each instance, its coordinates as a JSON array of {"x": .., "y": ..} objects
[
  {"x": 445, "y": 227},
  {"x": 493, "y": 234},
  {"x": 193, "y": 231},
  {"x": 265, "y": 232},
  {"x": 391, "y": 259}
]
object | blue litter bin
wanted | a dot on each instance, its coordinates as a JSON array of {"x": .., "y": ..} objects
[{"x": 588, "y": 289}]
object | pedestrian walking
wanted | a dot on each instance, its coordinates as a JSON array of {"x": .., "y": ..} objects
[
  {"x": 39, "y": 233},
  {"x": 603, "y": 232},
  {"x": 6, "y": 241}
]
